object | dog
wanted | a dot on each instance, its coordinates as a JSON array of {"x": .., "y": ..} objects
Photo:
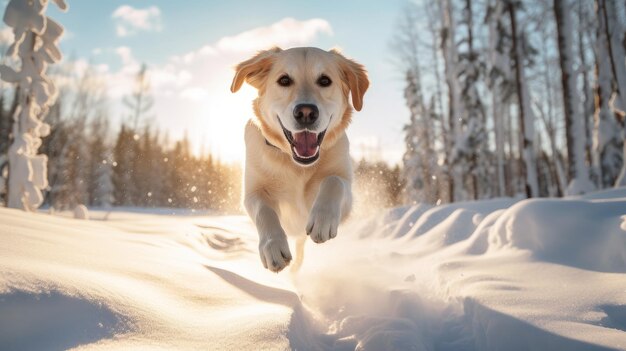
[{"x": 298, "y": 171}]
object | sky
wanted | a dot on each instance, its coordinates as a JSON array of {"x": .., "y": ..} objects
[{"x": 191, "y": 47}]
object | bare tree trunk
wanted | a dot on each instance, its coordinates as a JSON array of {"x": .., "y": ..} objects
[
  {"x": 575, "y": 135},
  {"x": 527, "y": 129},
  {"x": 498, "y": 76},
  {"x": 497, "y": 121},
  {"x": 454, "y": 108},
  {"x": 587, "y": 92},
  {"x": 616, "y": 50},
  {"x": 607, "y": 140},
  {"x": 443, "y": 174},
  {"x": 512, "y": 159},
  {"x": 548, "y": 121},
  {"x": 470, "y": 53}
]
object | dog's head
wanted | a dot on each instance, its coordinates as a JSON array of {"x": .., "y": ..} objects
[{"x": 303, "y": 97}]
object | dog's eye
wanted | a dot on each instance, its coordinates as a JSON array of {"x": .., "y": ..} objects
[
  {"x": 284, "y": 81},
  {"x": 324, "y": 81}
]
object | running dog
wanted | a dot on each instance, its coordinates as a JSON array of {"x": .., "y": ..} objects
[{"x": 298, "y": 171}]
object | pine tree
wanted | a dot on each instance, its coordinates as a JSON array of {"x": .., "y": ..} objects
[
  {"x": 142, "y": 169},
  {"x": 157, "y": 177},
  {"x": 101, "y": 171},
  {"x": 180, "y": 175},
  {"x": 123, "y": 177}
]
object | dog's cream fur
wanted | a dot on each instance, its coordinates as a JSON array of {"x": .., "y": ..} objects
[{"x": 280, "y": 194}]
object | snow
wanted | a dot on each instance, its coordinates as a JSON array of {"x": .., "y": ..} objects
[
  {"x": 544, "y": 274},
  {"x": 81, "y": 212}
]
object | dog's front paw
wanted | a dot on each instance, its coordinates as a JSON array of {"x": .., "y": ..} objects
[
  {"x": 275, "y": 253},
  {"x": 323, "y": 223}
]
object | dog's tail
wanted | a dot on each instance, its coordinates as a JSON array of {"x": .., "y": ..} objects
[{"x": 297, "y": 263}]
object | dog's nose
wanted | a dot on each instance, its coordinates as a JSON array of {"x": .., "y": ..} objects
[{"x": 306, "y": 114}]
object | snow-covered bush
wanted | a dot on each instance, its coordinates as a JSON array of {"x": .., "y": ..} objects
[
  {"x": 35, "y": 45},
  {"x": 81, "y": 212}
]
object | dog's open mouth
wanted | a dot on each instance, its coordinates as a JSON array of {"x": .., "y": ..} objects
[{"x": 305, "y": 145}]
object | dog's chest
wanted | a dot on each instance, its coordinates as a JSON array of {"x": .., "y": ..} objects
[{"x": 295, "y": 196}]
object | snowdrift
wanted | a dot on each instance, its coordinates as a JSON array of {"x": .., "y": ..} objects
[{"x": 539, "y": 274}]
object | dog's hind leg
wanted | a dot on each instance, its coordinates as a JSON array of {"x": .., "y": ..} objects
[{"x": 295, "y": 266}]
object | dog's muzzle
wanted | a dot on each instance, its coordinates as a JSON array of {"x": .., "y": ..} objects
[{"x": 305, "y": 145}]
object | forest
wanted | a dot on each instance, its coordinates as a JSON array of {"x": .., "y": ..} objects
[
  {"x": 512, "y": 98},
  {"x": 94, "y": 163},
  {"x": 506, "y": 98}
]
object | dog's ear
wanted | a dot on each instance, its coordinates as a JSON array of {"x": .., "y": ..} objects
[
  {"x": 355, "y": 76},
  {"x": 254, "y": 70}
]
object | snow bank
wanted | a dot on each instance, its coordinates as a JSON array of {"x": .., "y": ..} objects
[
  {"x": 81, "y": 212},
  {"x": 581, "y": 234},
  {"x": 492, "y": 275}
]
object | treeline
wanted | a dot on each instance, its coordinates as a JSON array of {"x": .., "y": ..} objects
[
  {"x": 510, "y": 97},
  {"x": 90, "y": 163}
]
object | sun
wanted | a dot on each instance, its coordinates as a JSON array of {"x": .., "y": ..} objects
[{"x": 218, "y": 125}]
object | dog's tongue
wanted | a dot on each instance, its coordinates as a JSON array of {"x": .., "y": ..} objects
[{"x": 305, "y": 143}]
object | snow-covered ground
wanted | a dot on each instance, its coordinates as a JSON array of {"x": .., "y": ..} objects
[{"x": 491, "y": 275}]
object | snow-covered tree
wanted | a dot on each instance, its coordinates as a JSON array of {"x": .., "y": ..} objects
[
  {"x": 499, "y": 80},
  {"x": 584, "y": 41},
  {"x": 526, "y": 114},
  {"x": 418, "y": 160},
  {"x": 440, "y": 124},
  {"x": 455, "y": 107},
  {"x": 574, "y": 124},
  {"x": 471, "y": 143},
  {"x": 615, "y": 47},
  {"x": 607, "y": 141},
  {"x": 35, "y": 44},
  {"x": 123, "y": 171},
  {"x": 101, "y": 168}
]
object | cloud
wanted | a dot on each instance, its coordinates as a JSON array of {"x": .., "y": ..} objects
[
  {"x": 190, "y": 73},
  {"x": 286, "y": 32},
  {"x": 129, "y": 20},
  {"x": 192, "y": 90},
  {"x": 195, "y": 94}
]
